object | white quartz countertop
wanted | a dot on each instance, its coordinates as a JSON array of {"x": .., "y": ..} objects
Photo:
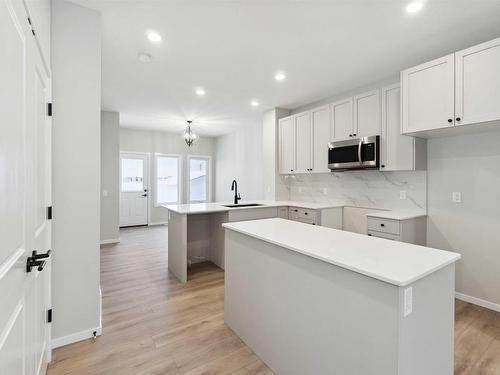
[
  {"x": 199, "y": 208},
  {"x": 394, "y": 262}
]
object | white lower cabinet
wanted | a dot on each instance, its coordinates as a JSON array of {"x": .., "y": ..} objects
[
  {"x": 413, "y": 230},
  {"x": 398, "y": 152},
  {"x": 252, "y": 213},
  {"x": 304, "y": 215}
]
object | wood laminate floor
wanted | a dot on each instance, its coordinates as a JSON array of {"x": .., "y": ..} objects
[{"x": 154, "y": 325}]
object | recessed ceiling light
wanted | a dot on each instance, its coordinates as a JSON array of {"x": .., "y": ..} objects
[
  {"x": 144, "y": 57},
  {"x": 154, "y": 37},
  {"x": 254, "y": 103},
  {"x": 414, "y": 6},
  {"x": 280, "y": 76},
  {"x": 200, "y": 91}
]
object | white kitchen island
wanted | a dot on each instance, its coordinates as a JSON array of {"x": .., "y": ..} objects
[
  {"x": 195, "y": 232},
  {"x": 315, "y": 300}
]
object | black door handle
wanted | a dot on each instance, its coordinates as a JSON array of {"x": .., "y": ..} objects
[
  {"x": 33, "y": 261},
  {"x": 144, "y": 195}
]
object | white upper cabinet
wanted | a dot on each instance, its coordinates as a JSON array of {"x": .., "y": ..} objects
[
  {"x": 428, "y": 95},
  {"x": 398, "y": 152},
  {"x": 303, "y": 142},
  {"x": 321, "y": 136},
  {"x": 39, "y": 14},
  {"x": 477, "y": 84},
  {"x": 342, "y": 120},
  {"x": 287, "y": 145},
  {"x": 367, "y": 114}
]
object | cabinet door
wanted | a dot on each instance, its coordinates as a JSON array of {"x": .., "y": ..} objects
[
  {"x": 287, "y": 145},
  {"x": 428, "y": 95},
  {"x": 367, "y": 114},
  {"x": 303, "y": 142},
  {"x": 477, "y": 85},
  {"x": 397, "y": 150},
  {"x": 321, "y": 136},
  {"x": 341, "y": 127}
]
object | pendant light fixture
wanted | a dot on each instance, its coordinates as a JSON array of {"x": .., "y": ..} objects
[{"x": 189, "y": 136}]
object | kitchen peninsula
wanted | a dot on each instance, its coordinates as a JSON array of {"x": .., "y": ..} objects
[
  {"x": 195, "y": 232},
  {"x": 315, "y": 300}
]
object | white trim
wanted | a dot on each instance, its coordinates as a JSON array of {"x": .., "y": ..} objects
[
  {"x": 209, "y": 180},
  {"x": 75, "y": 337},
  {"x": 155, "y": 178},
  {"x": 478, "y": 301},
  {"x": 10, "y": 261},
  {"x": 158, "y": 223},
  {"x": 10, "y": 323},
  {"x": 111, "y": 240}
]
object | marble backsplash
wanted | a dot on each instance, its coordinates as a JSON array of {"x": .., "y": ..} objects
[{"x": 372, "y": 189}]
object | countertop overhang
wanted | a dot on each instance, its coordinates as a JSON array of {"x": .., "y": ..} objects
[{"x": 393, "y": 262}]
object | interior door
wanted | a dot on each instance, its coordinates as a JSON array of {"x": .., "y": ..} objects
[
  {"x": 303, "y": 142},
  {"x": 134, "y": 189},
  {"x": 428, "y": 95},
  {"x": 477, "y": 86},
  {"x": 367, "y": 114},
  {"x": 25, "y": 191},
  {"x": 342, "y": 120}
]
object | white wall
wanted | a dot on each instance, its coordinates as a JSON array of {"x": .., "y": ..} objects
[
  {"x": 166, "y": 143},
  {"x": 76, "y": 92},
  {"x": 110, "y": 159},
  {"x": 469, "y": 164},
  {"x": 239, "y": 156}
]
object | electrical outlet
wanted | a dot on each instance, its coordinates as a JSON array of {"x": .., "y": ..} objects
[
  {"x": 457, "y": 197},
  {"x": 402, "y": 194},
  {"x": 408, "y": 301},
  {"x": 104, "y": 193}
]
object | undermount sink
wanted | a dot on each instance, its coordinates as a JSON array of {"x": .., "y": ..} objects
[{"x": 243, "y": 205}]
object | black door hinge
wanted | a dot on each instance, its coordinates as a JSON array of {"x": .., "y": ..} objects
[
  {"x": 29, "y": 20},
  {"x": 49, "y": 316},
  {"x": 49, "y": 109},
  {"x": 49, "y": 213}
]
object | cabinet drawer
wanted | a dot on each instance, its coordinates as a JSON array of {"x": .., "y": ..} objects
[
  {"x": 387, "y": 236},
  {"x": 295, "y": 213},
  {"x": 383, "y": 225},
  {"x": 252, "y": 214},
  {"x": 283, "y": 212},
  {"x": 307, "y": 221}
]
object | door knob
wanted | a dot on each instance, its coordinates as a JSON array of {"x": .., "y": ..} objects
[
  {"x": 458, "y": 119},
  {"x": 450, "y": 120}
]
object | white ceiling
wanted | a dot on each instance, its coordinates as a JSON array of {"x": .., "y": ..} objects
[{"x": 233, "y": 49}]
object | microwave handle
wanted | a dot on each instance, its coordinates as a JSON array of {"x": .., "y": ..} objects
[{"x": 360, "y": 146}]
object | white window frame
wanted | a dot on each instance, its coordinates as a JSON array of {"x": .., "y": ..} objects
[
  {"x": 179, "y": 178},
  {"x": 209, "y": 179}
]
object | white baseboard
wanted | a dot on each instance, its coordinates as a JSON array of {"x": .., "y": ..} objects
[
  {"x": 75, "y": 337},
  {"x": 478, "y": 301},
  {"x": 158, "y": 223},
  {"x": 112, "y": 240}
]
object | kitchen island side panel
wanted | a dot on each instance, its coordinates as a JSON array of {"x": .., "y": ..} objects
[
  {"x": 177, "y": 245},
  {"x": 303, "y": 316}
]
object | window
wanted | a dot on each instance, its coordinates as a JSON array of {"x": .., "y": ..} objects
[
  {"x": 167, "y": 179},
  {"x": 199, "y": 177},
  {"x": 132, "y": 175}
]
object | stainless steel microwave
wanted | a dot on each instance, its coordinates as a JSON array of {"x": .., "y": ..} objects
[{"x": 358, "y": 153}]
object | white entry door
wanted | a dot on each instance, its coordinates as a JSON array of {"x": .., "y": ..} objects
[
  {"x": 134, "y": 189},
  {"x": 25, "y": 227}
]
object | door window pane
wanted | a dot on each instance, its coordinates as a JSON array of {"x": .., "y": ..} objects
[
  {"x": 198, "y": 179},
  {"x": 132, "y": 175},
  {"x": 167, "y": 179}
]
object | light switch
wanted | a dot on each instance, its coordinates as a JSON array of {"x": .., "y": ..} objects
[
  {"x": 408, "y": 301},
  {"x": 104, "y": 193},
  {"x": 402, "y": 194},
  {"x": 457, "y": 197}
]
